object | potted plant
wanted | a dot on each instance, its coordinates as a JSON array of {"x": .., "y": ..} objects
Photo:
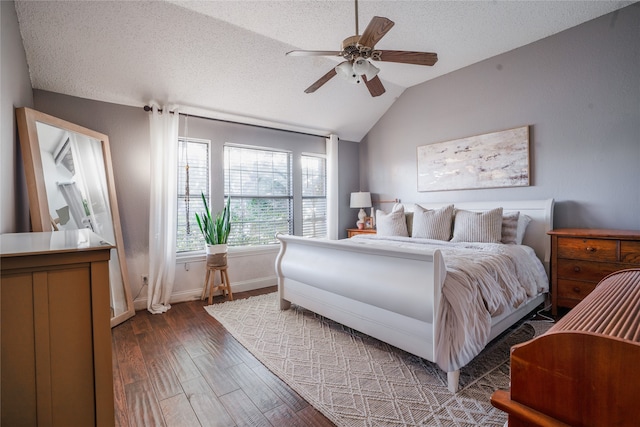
[{"x": 215, "y": 230}]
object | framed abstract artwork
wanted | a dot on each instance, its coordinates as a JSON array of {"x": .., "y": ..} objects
[{"x": 497, "y": 159}]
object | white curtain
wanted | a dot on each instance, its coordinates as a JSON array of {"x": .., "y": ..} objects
[
  {"x": 163, "y": 208},
  {"x": 332, "y": 187},
  {"x": 73, "y": 197}
]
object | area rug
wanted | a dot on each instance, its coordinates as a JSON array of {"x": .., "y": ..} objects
[{"x": 356, "y": 380}]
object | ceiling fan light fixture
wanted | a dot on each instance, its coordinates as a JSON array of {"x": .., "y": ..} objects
[
  {"x": 358, "y": 50},
  {"x": 363, "y": 67},
  {"x": 346, "y": 71}
]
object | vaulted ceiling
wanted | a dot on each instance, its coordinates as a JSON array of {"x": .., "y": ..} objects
[{"x": 226, "y": 59}]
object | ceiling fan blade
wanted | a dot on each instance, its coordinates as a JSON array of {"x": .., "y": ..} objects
[
  {"x": 376, "y": 29},
  {"x": 408, "y": 57},
  {"x": 314, "y": 53},
  {"x": 322, "y": 80},
  {"x": 374, "y": 85}
]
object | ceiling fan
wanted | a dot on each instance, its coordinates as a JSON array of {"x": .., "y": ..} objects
[{"x": 359, "y": 50}]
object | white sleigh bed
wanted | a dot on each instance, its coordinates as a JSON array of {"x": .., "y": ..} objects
[{"x": 395, "y": 293}]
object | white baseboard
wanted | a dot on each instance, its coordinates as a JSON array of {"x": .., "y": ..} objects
[{"x": 194, "y": 294}]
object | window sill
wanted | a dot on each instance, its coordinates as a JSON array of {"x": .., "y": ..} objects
[{"x": 233, "y": 252}]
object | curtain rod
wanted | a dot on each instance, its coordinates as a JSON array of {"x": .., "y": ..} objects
[{"x": 148, "y": 108}]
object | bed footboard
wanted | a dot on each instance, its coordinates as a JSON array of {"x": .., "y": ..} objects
[{"x": 389, "y": 294}]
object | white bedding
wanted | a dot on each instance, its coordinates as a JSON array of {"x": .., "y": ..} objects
[{"x": 483, "y": 280}]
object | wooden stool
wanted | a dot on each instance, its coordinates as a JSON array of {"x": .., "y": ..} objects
[{"x": 224, "y": 285}]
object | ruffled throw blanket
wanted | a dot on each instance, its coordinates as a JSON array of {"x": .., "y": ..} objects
[{"x": 483, "y": 280}]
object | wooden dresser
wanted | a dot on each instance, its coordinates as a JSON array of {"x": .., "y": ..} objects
[
  {"x": 582, "y": 257},
  {"x": 56, "y": 334}
]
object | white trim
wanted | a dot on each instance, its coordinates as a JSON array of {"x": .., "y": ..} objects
[
  {"x": 242, "y": 251},
  {"x": 194, "y": 294},
  {"x": 233, "y": 252},
  {"x": 309, "y": 154},
  {"x": 198, "y": 140}
]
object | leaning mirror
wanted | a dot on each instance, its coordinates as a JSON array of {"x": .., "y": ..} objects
[{"x": 70, "y": 183}]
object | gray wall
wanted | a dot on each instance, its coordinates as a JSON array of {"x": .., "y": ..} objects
[
  {"x": 16, "y": 92},
  {"x": 580, "y": 92},
  {"x": 348, "y": 181}
]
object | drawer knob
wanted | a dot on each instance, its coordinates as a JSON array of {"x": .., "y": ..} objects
[
  {"x": 576, "y": 290},
  {"x": 576, "y": 269},
  {"x": 590, "y": 249}
]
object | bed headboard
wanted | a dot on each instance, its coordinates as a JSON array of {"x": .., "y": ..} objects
[{"x": 540, "y": 212}]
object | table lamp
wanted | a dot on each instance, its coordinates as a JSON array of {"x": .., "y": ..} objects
[{"x": 361, "y": 199}]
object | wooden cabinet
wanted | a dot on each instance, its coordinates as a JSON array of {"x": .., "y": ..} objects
[
  {"x": 353, "y": 231},
  {"x": 583, "y": 257},
  {"x": 56, "y": 336}
]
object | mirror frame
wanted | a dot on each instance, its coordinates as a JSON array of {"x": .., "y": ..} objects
[{"x": 38, "y": 202}]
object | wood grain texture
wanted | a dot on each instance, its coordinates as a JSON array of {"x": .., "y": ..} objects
[
  {"x": 178, "y": 412},
  {"x": 374, "y": 85},
  {"x": 407, "y": 57},
  {"x": 321, "y": 81},
  {"x": 243, "y": 411},
  {"x": 375, "y": 31},
  {"x": 205, "y": 404},
  {"x": 143, "y": 406},
  {"x": 183, "y": 368}
]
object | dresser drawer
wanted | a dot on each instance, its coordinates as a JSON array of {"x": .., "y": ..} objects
[
  {"x": 586, "y": 270},
  {"x": 630, "y": 252},
  {"x": 589, "y": 249},
  {"x": 573, "y": 290},
  {"x": 582, "y": 257}
]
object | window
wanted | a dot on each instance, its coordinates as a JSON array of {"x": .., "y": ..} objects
[
  {"x": 314, "y": 196},
  {"x": 192, "y": 182},
  {"x": 259, "y": 184}
]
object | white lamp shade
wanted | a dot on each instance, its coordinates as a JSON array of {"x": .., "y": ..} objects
[
  {"x": 361, "y": 199},
  {"x": 345, "y": 70},
  {"x": 362, "y": 66}
]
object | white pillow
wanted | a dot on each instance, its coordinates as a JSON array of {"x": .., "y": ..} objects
[
  {"x": 523, "y": 222},
  {"x": 432, "y": 224},
  {"x": 482, "y": 227},
  {"x": 510, "y": 227},
  {"x": 391, "y": 224}
]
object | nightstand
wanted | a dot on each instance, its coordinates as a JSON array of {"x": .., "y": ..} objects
[
  {"x": 353, "y": 231},
  {"x": 582, "y": 257}
]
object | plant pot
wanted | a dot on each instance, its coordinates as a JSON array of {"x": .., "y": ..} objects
[
  {"x": 217, "y": 255},
  {"x": 217, "y": 249}
]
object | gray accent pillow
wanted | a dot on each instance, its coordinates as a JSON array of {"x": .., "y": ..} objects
[
  {"x": 391, "y": 224},
  {"x": 481, "y": 227},
  {"x": 432, "y": 223},
  {"x": 510, "y": 227}
]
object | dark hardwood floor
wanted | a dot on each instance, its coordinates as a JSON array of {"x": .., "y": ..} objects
[{"x": 182, "y": 368}]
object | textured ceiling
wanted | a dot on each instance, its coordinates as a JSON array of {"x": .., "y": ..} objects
[{"x": 226, "y": 59}]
